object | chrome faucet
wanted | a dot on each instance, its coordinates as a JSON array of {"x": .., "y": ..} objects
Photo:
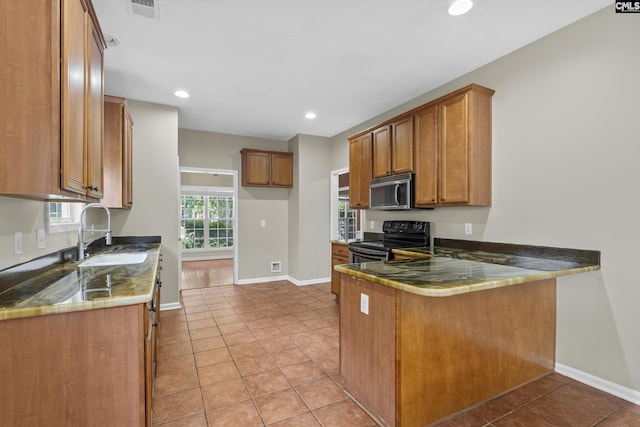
[{"x": 81, "y": 246}]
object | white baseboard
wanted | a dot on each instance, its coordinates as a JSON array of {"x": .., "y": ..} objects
[
  {"x": 261, "y": 280},
  {"x": 309, "y": 282},
  {"x": 288, "y": 278},
  {"x": 206, "y": 258},
  {"x": 618, "y": 390},
  {"x": 170, "y": 306}
]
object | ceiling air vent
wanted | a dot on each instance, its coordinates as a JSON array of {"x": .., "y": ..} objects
[{"x": 148, "y": 8}]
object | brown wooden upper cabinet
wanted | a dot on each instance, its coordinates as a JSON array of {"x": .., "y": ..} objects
[
  {"x": 446, "y": 142},
  {"x": 82, "y": 101},
  {"x": 266, "y": 168},
  {"x": 360, "y": 170},
  {"x": 393, "y": 148},
  {"x": 118, "y": 150},
  {"x": 51, "y": 132},
  {"x": 453, "y": 149}
]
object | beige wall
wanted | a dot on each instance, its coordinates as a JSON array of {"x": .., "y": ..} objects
[
  {"x": 309, "y": 215},
  {"x": 155, "y": 187},
  {"x": 565, "y": 154},
  {"x": 257, "y": 246},
  {"x": 27, "y": 216}
]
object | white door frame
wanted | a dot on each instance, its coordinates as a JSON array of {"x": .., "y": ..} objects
[{"x": 236, "y": 241}]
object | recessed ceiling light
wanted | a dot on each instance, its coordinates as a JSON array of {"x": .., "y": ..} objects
[
  {"x": 460, "y": 7},
  {"x": 181, "y": 93},
  {"x": 310, "y": 115}
]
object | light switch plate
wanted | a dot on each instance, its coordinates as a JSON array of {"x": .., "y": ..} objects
[
  {"x": 468, "y": 229},
  {"x": 17, "y": 242}
]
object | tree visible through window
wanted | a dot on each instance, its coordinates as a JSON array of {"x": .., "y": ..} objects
[{"x": 206, "y": 221}]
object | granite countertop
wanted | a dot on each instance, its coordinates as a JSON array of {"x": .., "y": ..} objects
[
  {"x": 340, "y": 242},
  {"x": 66, "y": 286},
  {"x": 446, "y": 271}
]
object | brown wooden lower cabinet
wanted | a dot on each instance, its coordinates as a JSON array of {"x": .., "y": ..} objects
[
  {"x": 339, "y": 255},
  {"x": 82, "y": 368},
  {"x": 414, "y": 360}
]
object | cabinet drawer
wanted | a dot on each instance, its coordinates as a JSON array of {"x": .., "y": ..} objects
[{"x": 340, "y": 250}]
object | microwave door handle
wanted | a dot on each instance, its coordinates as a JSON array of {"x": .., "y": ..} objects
[{"x": 396, "y": 194}]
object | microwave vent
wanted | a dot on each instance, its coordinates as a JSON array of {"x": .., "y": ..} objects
[{"x": 146, "y": 8}]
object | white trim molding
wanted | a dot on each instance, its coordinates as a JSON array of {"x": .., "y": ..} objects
[
  {"x": 288, "y": 278},
  {"x": 261, "y": 280},
  {"x": 618, "y": 390},
  {"x": 170, "y": 306}
]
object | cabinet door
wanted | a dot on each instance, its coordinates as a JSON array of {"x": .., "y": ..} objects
[
  {"x": 368, "y": 346},
  {"x": 74, "y": 36},
  {"x": 127, "y": 160},
  {"x": 426, "y": 145},
  {"x": 116, "y": 159},
  {"x": 339, "y": 255},
  {"x": 360, "y": 169},
  {"x": 454, "y": 150},
  {"x": 257, "y": 168},
  {"x": 382, "y": 152},
  {"x": 402, "y": 146},
  {"x": 29, "y": 111},
  {"x": 95, "y": 102},
  {"x": 112, "y": 154},
  {"x": 282, "y": 170}
]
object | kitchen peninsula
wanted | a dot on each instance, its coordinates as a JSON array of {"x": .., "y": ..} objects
[{"x": 424, "y": 338}]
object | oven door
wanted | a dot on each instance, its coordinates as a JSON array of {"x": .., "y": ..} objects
[{"x": 359, "y": 254}]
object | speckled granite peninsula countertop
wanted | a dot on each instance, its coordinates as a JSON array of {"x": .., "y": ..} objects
[
  {"x": 456, "y": 267},
  {"x": 58, "y": 284}
]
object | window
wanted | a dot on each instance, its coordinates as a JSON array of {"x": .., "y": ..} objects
[
  {"x": 206, "y": 221},
  {"x": 61, "y": 217},
  {"x": 347, "y": 217}
]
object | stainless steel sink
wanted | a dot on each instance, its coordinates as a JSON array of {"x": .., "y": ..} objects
[{"x": 114, "y": 259}]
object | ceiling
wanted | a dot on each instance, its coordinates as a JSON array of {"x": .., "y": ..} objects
[{"x": 255, "y": 67}]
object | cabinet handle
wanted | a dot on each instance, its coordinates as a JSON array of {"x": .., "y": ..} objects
[
  {"x": 433, "y": 199},
  {"x": 155, "y": 325}
]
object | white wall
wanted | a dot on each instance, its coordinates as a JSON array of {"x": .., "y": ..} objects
[
  {"x": 565, "y": 153},
  {"x": 155, "y": 187}
]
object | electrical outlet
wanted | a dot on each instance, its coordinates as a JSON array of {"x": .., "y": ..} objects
[
  {"x": 263, "y": 223},
  {"x": 468, "y": 229},
  {"x": 364, "y": 303},
  {"x": 40, "y": 238},
  {"x": 17, "y": 242}
]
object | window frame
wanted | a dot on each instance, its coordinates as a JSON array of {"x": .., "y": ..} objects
[
  {"x": 208, "y": 193},
  {"x": 74, "y": 211}
]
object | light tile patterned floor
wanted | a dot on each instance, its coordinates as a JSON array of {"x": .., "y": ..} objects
[
  {"x": 267, "y": 355},
  {"x": 253, "y": 355}
]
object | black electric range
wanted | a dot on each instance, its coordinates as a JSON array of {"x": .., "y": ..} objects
[{"x": 395, "y": 234}]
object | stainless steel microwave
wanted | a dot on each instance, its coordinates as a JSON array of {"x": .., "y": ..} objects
[{"x": 392, "y": 192}]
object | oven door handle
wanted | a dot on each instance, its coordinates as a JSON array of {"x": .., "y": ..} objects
[{"x": 366, "y": 251}]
